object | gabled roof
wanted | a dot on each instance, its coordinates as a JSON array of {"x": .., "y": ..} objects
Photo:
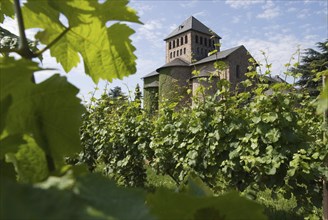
[
  {"x": 151, "y": 85},
  {"x": 175, "y": 62},
  {"x": 154, "y": 73},
  {"x": 191, "y": 24},
  {"x": 219, "y": 55}
]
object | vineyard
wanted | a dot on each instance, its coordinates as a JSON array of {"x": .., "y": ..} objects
[{"x": 259, "y": 152}]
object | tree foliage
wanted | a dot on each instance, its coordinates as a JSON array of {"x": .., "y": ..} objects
[{"x": 313, "y": 62}]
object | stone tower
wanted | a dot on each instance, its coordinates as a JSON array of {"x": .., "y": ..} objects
[{"x": 191, "y": 41}]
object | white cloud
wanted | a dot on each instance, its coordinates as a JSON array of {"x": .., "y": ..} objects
[
  {"x": 242, "y": 4},
  {"x": 151, "y": 33},
  {"x": 303, "y": 13},
  {"x": 200, "y": 14},
  {"x": 236, "y": 20},
  {"x": 141, "y": 7},
  {"x": 189, "y": 4},
  {"x": 292, "y": 9},
  {"x": 279, "y": 48},
  {"x": 270, "y": 11}
]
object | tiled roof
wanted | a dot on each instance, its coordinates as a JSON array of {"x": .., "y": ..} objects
[
  {"x": 191, "y": 24},
  {"x": 152, "y": 84},
  {"x": 175, "y": 62},
  {"x": 154, "y": 73},
  {"x": 219, "y": 55}
]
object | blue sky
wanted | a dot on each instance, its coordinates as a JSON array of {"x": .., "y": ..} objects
[{"x": 276, "y": 27}]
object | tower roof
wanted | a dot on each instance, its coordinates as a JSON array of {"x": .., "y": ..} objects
[{"x": 191, "y": 24}]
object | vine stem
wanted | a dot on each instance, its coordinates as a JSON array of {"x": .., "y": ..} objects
[
  {"x": 23, "y": 44},
  {"x": 324, "y": 182}
]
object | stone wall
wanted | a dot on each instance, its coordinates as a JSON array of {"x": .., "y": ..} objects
[
  {"x": 183, "y": 51},
  {"x": 150, "y": 93},
  {"x": 240, "y": 58},
  {"x": 173, "y": 85}
]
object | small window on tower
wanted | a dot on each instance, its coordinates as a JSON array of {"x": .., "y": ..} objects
[
  {"x": 170, "y": 45},
  {"x": 186, "y": 39},
  {"x": 237, "y": 72},
  {"x": 180, "y": 51},
  {"x": 184, "y": 50},
  {"x": 196, "y": 39},
  {"x": 201, "y": 40},
  {"x": 181, "y": 40},
  {"x": 173, "y": 44},
  {"x": 177, "y": 42}
]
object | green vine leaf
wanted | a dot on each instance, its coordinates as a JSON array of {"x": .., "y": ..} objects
[
  {"x": 106, "y": 197},
  {"x": 163, "y": 204},
  {"x": 49, "y": 110},
  {"x": 7, "y": 9},
  {"x": 107, "y": 52}
]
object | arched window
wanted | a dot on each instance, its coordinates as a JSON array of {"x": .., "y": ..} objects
[
  {"x": 170, "y": 45},
  {"x": 177, "y": 42},
  {"x": 177, "y": 53},
  {"x": 173, "y": 44},
  {"x": 201, "y": 40},
  {"x": 181, "y": 51},
  {"x": 171, "y": 55},
  {"x": 196, "y": 39},
  {"x": 186, "y": 39},
  {"x": 237, "y": 72},
  {"x": 181, "y": 40},
  {"x": 184, "y": 50}
]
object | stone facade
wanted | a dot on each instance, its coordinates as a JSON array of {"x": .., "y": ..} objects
[{"x": 187, "y": 50}]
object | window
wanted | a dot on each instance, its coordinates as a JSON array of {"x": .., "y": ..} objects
[
  {"x": 213, "y": 44},
  {"x": 184, "y": 50},
  {"x": 201, "y": 51},
  {"x": 171, "y": 55},
  {"x": 181, "y": 40},
  {"x": 206, "y": 53},
  {"x": 177, "y": 42},
  {"x": 201, "y": 40},
  {"x": 186, "y": 39},
  {"x": 205, "y": 41},
  {"x": 237, "y": 72},
  {"x": 180, "y": 52},
  {"x": 170, "y": 45},
  {"x": 196, "y": 39},
  {"x": 177, "y": 53},
  {"x": 173, "y": 44},
  {"x": 209, "y": 43}
]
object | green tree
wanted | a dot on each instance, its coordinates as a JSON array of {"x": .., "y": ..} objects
[
  {"x": 137, "y": 93},
  {"x": 312, "y": 62},
  {"x": 116, "y": 93}
]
